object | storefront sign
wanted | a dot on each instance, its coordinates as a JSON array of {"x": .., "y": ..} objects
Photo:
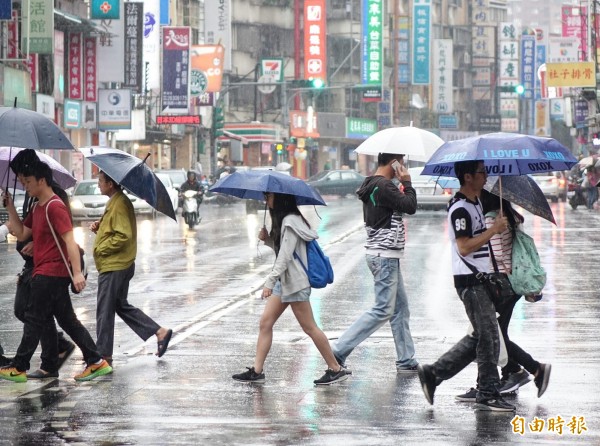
[
  {"x": 134, "y": 20},
  {"x": 442, "y": 76},
  {"x": 74, "y": 49},
  {"x": 372, "y": 42},
  {"x": 421, "y": 42},
  {"x": 40, "y": 16},
  {"x": 90, "y": 74},
  {"x": 114, "y": 109},
  {"x": 175, "y": 94},
  {"x": 315, "y": 40},
  {"x": 72, "y": 114}
]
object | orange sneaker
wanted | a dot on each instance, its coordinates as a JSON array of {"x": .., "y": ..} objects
[
  {"x": 10, "y": 373},
  {"x": 93, "y": 371}
]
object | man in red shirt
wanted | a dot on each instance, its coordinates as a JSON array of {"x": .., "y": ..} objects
[{"x": 51, "y": 278}]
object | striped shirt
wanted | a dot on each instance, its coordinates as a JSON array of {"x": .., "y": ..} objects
[{"x": 501, "y": 246}]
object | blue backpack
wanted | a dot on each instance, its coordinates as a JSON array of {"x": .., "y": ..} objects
[{"x": 318, "y": 268}]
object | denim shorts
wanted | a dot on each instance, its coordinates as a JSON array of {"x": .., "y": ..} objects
[{"x": 298, "y": 296}]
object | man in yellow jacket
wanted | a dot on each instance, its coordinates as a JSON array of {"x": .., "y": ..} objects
[{"x": 115, "y": 249}]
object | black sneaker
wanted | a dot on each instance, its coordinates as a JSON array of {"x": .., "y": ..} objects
[
  {"x": 468, "y": 397},
  {"x": 407, "y": 369},
  {"x": 494, "y": 404},
  {"x": 542, "y": 378},
  {"x": 428, "y": 381},
  {"x": 514, "y": 381},
  {"x": 250, "y": 376},
  {"x": 331, "y": 377},
  {"x": 4, "y": 361}
]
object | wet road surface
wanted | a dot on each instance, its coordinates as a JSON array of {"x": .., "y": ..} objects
[{"x": 204, "y": 284}]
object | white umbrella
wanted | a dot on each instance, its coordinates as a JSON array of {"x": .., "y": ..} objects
[{"x": 416, "y": 143}]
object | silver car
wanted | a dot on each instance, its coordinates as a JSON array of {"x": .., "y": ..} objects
[
  {"x": 432, "y": 192},
  {"x": 553, "y": 184},
  {"x": 87, "y": 202}
]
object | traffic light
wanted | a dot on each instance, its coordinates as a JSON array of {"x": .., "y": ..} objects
[
  {"x": 515, "y": 89},
  {"x": 279, "y": 148},
  {"x": 316, "y": 83},
  {"x": 218, "y": 120}
]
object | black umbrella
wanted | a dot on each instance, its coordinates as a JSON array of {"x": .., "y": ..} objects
[{"x": 133, "y": 174}]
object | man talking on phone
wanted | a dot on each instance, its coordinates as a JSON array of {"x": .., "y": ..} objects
[{"x": 383, "y": 206}]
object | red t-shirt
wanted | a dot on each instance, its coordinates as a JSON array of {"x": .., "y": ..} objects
[{"x": 47, "y": 260}]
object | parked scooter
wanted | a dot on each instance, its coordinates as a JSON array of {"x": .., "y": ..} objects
[{"x": 190, "y": 207}]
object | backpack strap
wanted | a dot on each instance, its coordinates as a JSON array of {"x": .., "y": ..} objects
[{"x": 56, "y": 240}]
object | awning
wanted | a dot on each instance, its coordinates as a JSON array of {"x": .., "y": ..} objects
[
  {"x": 65, "y": 21},
  {"x": 254, "y": 132}
]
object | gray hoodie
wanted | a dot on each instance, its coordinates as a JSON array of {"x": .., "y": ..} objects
[{"x": 294, "y": 235}]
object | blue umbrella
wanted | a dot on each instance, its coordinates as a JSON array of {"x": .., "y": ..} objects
[
  {"x": 503, "y": 154},
  {"x": 254, "y": 183},
  {"x": 133, "y": 174}
]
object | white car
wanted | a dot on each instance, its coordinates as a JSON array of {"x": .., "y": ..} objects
[
  {"x": 432, "y": 192},
  {"x": 553, "y": 184},
  {"x": 173, "y": 194},
  {"x": 87, "y": 202}
]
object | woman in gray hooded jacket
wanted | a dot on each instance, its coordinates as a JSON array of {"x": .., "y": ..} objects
[{"x": 287, "y": 285}]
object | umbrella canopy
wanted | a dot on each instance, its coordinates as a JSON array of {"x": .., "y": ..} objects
[
  {"x": 254, "y": 183},
  {"x": 503, "y": 154},
  {"x": 61, "y": 175},
  {"x": 414, "y": 142},
  {"x": 31, "y": 130},
  {"x": 523, "y": 191},
  {"x": 133, "y": 174}
]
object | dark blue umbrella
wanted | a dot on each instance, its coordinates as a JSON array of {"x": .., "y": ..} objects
[
  {"x": 133, "y": 174},
  {"x": 254, "y": 183},
  {"x": 503, "y": 154}
]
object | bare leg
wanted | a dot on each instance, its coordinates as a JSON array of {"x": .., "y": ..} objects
[
  {"x": 304, "y": 315},
  {"x": 273, "y": 309}
]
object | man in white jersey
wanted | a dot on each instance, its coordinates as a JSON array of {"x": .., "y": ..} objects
[{"x": 469, "y": 238}]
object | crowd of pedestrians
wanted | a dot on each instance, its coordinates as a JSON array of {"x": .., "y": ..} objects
[
  {"x": 52, "y": 265},
  {"x": 480, "y": 238}
]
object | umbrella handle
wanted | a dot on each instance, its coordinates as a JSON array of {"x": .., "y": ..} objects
[{"x": 500, "y": 189}]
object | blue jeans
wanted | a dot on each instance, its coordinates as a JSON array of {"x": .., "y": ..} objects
[
  {"x": 483, "y": 346},
  {"x": 391, "y": 304}
]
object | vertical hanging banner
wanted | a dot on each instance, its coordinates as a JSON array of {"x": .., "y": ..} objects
[
  {"x": 421, "y": 41},
  {"x": 134, "y": 20},
  {"x": 372, "y": 42},
  {"x": 90, "y": 73},
  {"x": 105, "y": 9},
  {"x": 59, "y": 67},
  {"x": 527, "y": 64},
  {"x": 110, "y": 52},
  {"x": 573, "y": 19},
  {"x": 40, "y": 18},
  {"x": 32, "y": 66},
  {"x": 315, "y": 40},
  {"x": 74, "y": 44},
  {"x": 442, "y": 76},
  {"x": 13, "y": 36},
  {"x": 217, "y": 26},
  {"x": 151, "y": 45},
  {"x": 175, "y": 95}
]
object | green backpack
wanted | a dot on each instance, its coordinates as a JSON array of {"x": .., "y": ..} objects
[{"x": 528, "y": 276}]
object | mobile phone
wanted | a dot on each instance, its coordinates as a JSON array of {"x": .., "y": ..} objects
[{"x": 396, "y": 166}]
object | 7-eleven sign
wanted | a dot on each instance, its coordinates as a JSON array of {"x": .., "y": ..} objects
[{"x": 272, "y": 67}]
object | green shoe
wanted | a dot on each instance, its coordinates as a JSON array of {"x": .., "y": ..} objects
[
  {"x": 94, "y": 371},
  {"x": 10, "y": 373}
]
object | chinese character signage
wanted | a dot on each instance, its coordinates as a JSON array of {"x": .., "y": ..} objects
[
  {"x": 217, "y": 26},
  {"x": 110, "y": 52},
  {"x": 13, "y": 36},
  {"x": 573, "y": 19},
  {"x": 563, "y": 49},
  {"x": 403, "y": 50},
  {"x": 90, "y": 76},
  {"x": 175, "y": 94},
  {"x": 573, "y": 74},
  {"x": 40, "y": 16},
  {"x": 528, "y": 64},
  {"x": 372, "y": 42},
  {"x": 105, "y": 9},
  {"x": 74, "y": 49},
  {"x": 421, "y": 42},
  {"x": 134, "y": 21},
  {"x": 358, "y": 128},
  {"x": 442, "y": 76},
  {"x": 315, "y": 40},
  {"x": 114, "y": 109}
]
